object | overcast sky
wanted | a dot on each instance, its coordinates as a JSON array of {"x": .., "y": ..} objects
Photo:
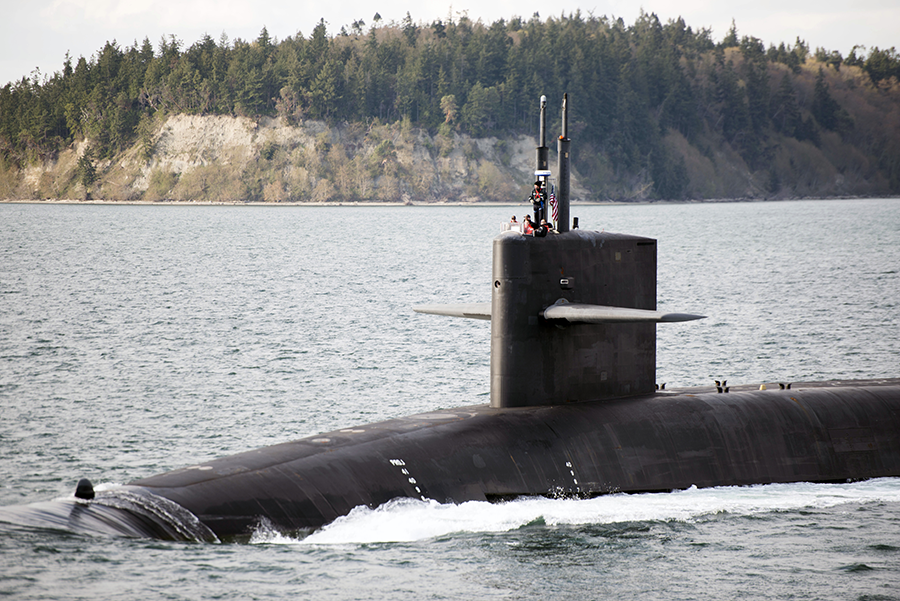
[{"x": 38, "y": 33}]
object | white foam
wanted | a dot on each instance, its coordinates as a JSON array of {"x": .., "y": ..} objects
[{"x": 406, "y": 520}]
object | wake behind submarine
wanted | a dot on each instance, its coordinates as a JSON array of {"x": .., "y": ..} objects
[{"x": 574, "y": 412}]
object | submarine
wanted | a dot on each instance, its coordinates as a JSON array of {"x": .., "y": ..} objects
[{"x": 574, "y": 411}]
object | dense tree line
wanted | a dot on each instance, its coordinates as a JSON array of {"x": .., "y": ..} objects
[{"x": 630, "y": 85}]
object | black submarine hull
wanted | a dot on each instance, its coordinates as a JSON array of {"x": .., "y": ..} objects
[{"x": 825, "y": 432}]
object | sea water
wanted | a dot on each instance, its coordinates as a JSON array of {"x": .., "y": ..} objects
[{"x": 139, "y": 339}]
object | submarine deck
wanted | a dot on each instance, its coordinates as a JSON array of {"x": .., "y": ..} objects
[{"x": 671, "y": 439}]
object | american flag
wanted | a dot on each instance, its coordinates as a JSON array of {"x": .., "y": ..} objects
[{"x": 554, "y": 206}]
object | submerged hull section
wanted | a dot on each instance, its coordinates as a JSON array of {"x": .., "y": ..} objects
[{"x": 660, "y": 442}]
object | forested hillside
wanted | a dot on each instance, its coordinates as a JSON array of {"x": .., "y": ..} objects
[{"x": 657, "y": 111}]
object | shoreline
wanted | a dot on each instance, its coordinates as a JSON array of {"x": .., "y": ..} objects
[{"x": 366, "y": 203}]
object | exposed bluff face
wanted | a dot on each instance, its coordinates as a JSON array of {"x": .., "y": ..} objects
[
  {"x": 234, "y": 159},
  {"x": 237, "y": 159}
]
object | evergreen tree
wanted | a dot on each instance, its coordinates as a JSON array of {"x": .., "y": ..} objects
[
  {"x": 882, "y": 64},
  {"x": 827, "y": 112},
  {"x": 784, "y": 109},
  {"x": 731, "y": 99},
  {"x": 87, "y": 173},
  {"x": 731, "y": 38}
]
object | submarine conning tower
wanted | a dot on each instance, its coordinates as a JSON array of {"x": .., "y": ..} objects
[
  {"x": 538, "y": 360},
  {"x": 573, "y": 312}
]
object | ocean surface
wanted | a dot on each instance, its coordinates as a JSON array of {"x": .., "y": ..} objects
[{"x": 140, "y": 339}]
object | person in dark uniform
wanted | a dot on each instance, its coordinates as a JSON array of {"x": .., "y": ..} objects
[{"x": 537, "y": 200}]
